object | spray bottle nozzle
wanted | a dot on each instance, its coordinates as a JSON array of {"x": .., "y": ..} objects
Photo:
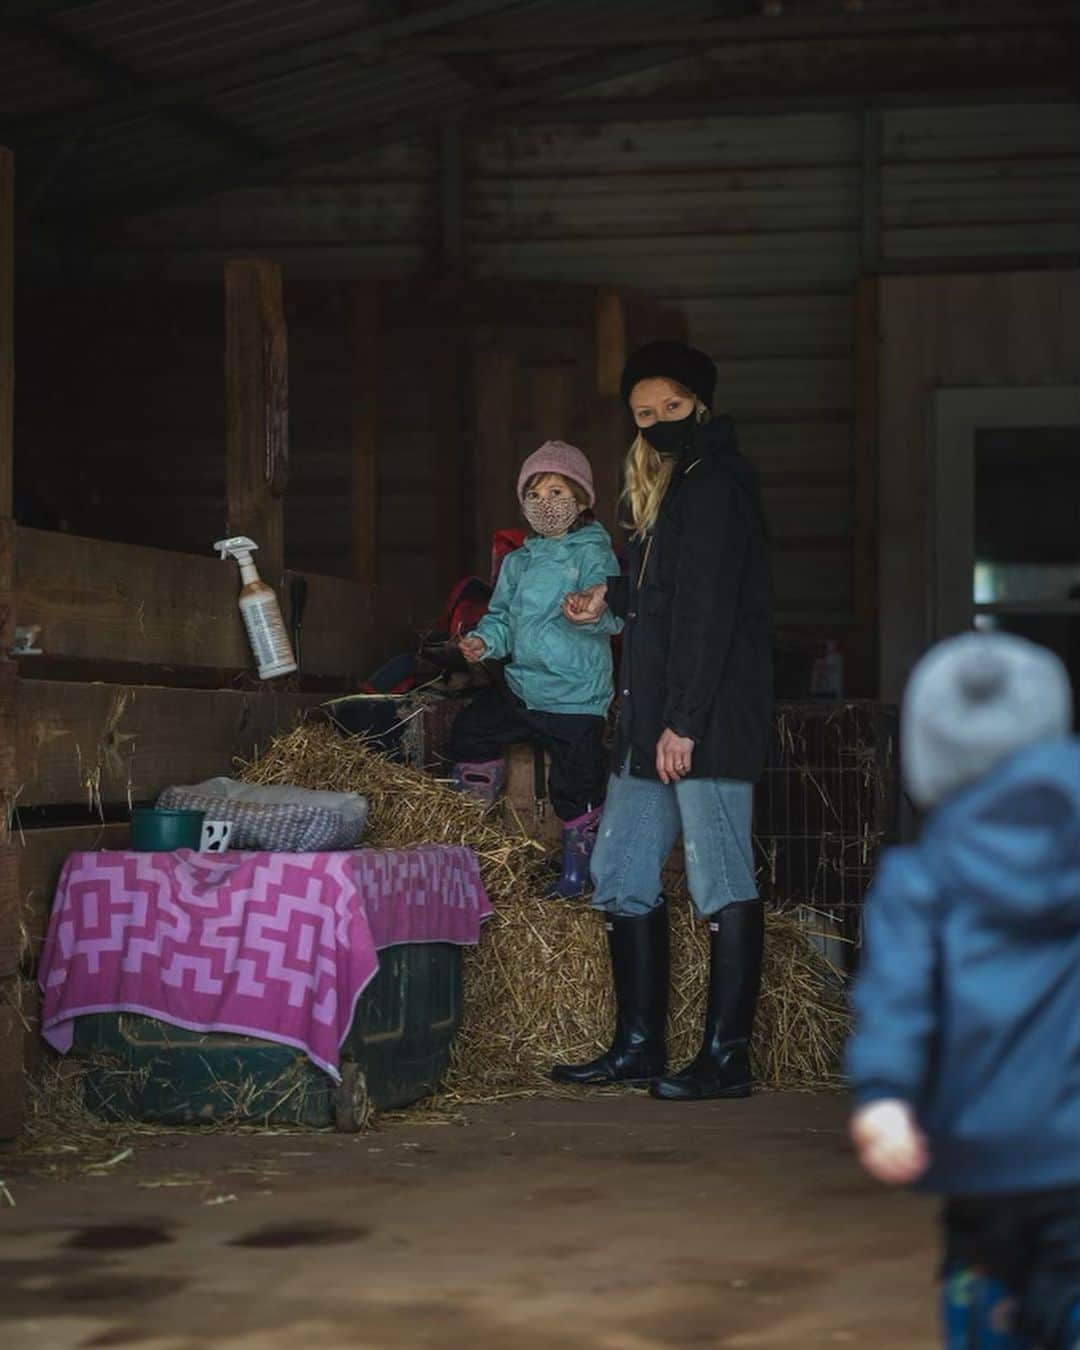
[{"x": 235, "y": 546}]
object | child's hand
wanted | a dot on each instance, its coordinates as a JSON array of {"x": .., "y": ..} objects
[
  {"x": 585, "y": 606},
  {"x": 472, "y": 648},
  {"x": 890, "y": 1145}
]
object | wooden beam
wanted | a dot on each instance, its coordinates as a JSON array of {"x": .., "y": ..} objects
[
  {"x": 91, "y": 743},
  {"x": 120, "y": 604},
  {"x": 40, "y": 855},
  {"x": 7, "y": 326},
  {"x": 364, "y": 334},
  {"x": 725, "y": 103},
  {"x": 496, "y": 457},
  {"x": 97, "y": 600},
  {"x": 751, "y": 30},
  {"x": 256, "y": 409}
]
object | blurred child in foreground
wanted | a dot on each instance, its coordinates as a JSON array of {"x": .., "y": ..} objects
[{"x": 965, "y": 1060}]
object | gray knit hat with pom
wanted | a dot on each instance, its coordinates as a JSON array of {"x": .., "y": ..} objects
[{"x": 971, "y": 702}]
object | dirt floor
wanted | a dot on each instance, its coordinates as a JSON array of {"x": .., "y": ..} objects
[{"x": 615, "y": 1223}]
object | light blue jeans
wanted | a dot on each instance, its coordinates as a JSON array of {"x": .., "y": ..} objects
[{"x": 642, "y": 819}]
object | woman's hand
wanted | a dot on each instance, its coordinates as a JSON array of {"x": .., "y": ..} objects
[
  {"x": 890, "y": 1145},
  {"x": 673, "y": 756},
  {"x": 585, "y": 606},
  {"x": 472, "y": 648}
]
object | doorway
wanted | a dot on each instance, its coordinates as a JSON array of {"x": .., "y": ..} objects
[{"x": 1007, "y": 516}]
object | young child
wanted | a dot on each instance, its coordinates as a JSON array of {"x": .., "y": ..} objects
[
  {"x": 558, "y": 679},
  {"x": 965, "y": 1061}
]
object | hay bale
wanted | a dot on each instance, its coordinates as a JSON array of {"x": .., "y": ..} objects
[
  {"x": 538, "y": 991},
  {"x": 538, "y": 988}
]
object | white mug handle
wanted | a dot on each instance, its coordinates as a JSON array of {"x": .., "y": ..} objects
[{"x": 215, "y": 836}]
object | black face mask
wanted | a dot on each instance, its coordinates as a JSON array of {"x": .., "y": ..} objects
[{"x": 671, "y": 438}]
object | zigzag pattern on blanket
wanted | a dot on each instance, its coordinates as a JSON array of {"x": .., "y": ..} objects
[{"x": 272, "y": 945}]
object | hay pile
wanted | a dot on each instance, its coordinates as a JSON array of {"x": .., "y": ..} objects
[{"x": 537, "y": 989}]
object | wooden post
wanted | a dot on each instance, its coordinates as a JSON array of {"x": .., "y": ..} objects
[
  {"x": 610, "y": 340},
  {"x": 7, "y": 325},
  {"x": 863, "y": 660},
  {"x": 495, "y": 404},
  {"x": 11, "y": 1023},
  {"x": 609, "y": 427},
  {"x": 257, "y": 410},
  {"x": 448, "y": 457},
  {"x": 452, "y": 193},
  {"x": 551, "y": 395},
  {"x": 364, "y": 340},
  {"x": 871, "y": 189}
]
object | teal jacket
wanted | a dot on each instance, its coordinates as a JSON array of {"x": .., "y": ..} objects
[{"x": 555, "y": 666}]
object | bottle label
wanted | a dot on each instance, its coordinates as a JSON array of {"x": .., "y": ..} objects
[{"x": 269, "y": 640}]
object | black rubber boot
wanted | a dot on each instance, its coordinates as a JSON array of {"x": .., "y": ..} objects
[
  {"x": 722, "y": 1066},
  {"x": 639, "y": 968}
]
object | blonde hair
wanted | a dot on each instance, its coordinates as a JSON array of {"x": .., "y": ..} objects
[{"x": 647, "y": 474}]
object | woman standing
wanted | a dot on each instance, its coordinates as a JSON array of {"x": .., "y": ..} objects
[{"x": 695, "y": 707}]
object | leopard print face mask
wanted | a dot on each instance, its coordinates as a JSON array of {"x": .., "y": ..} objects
[{"x": 551, "y": 516}]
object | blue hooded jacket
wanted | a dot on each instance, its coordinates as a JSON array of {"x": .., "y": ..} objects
[
  {"x": 555, "y": 666},
  {"x": 968, "y": 1002}
]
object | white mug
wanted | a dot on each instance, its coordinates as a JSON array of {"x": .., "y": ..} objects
[{"x": 215, "y": 836}]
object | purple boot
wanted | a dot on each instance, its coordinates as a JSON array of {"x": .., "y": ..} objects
[
  {"x": 484, "y": 781},
  {"x": 578, "y": 838}
]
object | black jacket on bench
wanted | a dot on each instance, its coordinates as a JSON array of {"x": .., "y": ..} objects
[{"x": 697, "y": 601}]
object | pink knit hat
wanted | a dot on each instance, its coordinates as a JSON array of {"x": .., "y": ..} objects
[{"x": 558, "y": 457}]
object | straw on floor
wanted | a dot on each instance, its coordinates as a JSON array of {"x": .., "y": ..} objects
[{"x": 537, "y": 989}]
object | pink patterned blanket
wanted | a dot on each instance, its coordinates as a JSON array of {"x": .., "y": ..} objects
[{"x": 274, "y": 945}]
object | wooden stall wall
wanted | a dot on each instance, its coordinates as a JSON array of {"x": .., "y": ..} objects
[
  {"x": 1020, "y": 328},
  {"x": 135, "y": 672},
  {"x": 411, "y": 403},
  {"x": 756, "y": 224},
  {"x": 11, "y": 1013}
]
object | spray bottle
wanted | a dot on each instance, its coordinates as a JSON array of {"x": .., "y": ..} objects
[{"x": 260, "y": 612}]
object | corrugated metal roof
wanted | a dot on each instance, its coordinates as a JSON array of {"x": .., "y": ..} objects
[
  {"x": 294, "y": 108},
  {"x": 170, "y": 38},
  {"x": 33, "y": 80},
  {"x": 247, "y": 88},
  {"x": 269, "y": 78}
]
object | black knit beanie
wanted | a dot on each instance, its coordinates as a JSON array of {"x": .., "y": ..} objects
[{"x": 671, "y": 361}]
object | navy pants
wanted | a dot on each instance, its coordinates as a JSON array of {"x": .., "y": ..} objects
[
  {"x": 496, "y": 719},
  {"x": 1012, "y": 1271}
]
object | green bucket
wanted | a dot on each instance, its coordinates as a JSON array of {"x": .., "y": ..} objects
[{"x": 161, "y": 831}]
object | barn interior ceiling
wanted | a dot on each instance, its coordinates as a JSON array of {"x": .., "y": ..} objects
[{"x": 115, "y": 106}]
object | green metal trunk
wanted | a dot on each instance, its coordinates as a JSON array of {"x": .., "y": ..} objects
[{"x": 138, "y": 1068}]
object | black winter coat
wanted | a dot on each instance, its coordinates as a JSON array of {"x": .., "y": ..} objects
[{"x": 697, "y": 646}]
